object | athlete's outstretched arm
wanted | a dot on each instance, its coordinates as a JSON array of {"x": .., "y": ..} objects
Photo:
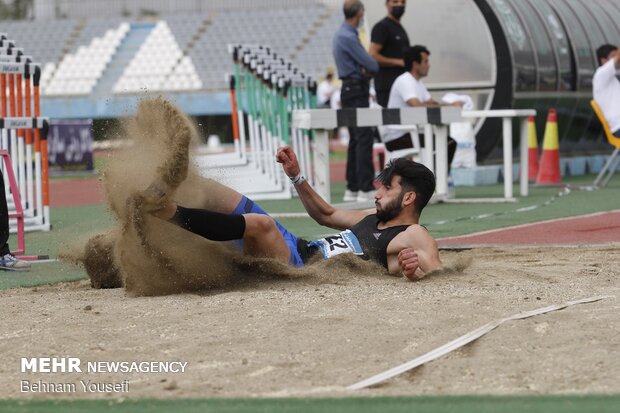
[{"x": 317, "y": 207}]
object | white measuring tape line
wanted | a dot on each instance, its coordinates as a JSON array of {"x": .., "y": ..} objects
[
  {"x": 565, "y": 191},
  {"x": 463, "y": 340}
]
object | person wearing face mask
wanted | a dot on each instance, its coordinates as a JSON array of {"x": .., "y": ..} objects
[
  {"x": 388, "y": 40},
  {"x": 355, "y": 68}
]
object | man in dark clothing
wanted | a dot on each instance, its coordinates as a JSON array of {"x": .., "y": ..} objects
[
  {"x": 8, "y": 262},
  {"x": 388, "y": 41},
  {"x": 355, "y": 67}
]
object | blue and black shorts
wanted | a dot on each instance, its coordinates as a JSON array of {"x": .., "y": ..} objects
[{"x": 247, "y": 206}]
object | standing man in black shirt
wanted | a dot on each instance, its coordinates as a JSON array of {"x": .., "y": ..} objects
[{"x": 388, "y": 41}]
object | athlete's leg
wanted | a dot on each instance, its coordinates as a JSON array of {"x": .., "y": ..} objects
[
  {"x": 262, "y": 238},
  {"x": 259, "y": 232},
  {"x": 205, "y": 193},
  {"x": 162, "y": 125}
]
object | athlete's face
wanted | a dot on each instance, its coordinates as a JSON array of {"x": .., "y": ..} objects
[{"x": 389, "y": 200}]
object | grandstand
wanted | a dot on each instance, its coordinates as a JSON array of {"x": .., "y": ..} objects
[
  {"x": 179, "y": 52},
  {"x": 79, "y": 71}
]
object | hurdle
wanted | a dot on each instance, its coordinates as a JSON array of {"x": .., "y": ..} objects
[
  {"x": 434, "y": 122},
  {"x": 24, "y": 131},
  {"x": 238, "y": 157},
  {"x": 264, "y": 90},
  {"x": 39, "y": 186},
  {"x": 322, "y": 120}
]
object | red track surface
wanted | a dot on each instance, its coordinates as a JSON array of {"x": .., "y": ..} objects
[
  {"x": 76, "y": 192},
  {"x": 599, "y": 228}
]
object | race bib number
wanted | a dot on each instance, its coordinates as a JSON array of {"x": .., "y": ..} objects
[{"x": 343, "y": 243}]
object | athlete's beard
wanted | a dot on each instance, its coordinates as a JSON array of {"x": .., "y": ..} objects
[{"x": 391, "y": 210}]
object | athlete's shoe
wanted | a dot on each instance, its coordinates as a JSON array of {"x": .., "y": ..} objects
[
  {"x": 156, "y": 200},
  {"x": 8, "y": 262},
  {"x": 156, "y": 193},
  {"x": 368, "y": 196},
  {"x": 349, "y": 196}
]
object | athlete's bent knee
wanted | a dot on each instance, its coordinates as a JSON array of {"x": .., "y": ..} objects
[{"x": 259, "y": 226}]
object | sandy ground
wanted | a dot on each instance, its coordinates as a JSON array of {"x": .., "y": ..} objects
[{"x": 315, "y": 336}]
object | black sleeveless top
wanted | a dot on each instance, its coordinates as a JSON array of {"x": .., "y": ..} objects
[{"x": 374, "y": 241}]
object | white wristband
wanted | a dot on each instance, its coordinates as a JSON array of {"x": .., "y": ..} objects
[{"x": 296, "y": 180}]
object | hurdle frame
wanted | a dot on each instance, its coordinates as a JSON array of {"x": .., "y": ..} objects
[
  {"x": 34, "y": 187},
  {"x": 429, "y": 119},
  {"x": 264, "y": 90},
  {"x": 322, "y": 120}
]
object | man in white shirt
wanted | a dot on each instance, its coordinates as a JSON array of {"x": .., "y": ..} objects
[
  {"x": 408, "y": 90},
  {"x": 326, "y": 90},
  {"x": 606, "y": 87}
]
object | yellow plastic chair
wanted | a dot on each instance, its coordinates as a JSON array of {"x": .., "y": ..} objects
[{"x": 612, "y": 163}]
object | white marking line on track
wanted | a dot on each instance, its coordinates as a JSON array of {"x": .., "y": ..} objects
[
  {"x": 354, "y": 205},
  {"x": 44, "y": 261},
  {"x": 565, "y": 191},
  {"x": 465, "y": 339},
  {"x": 277, "y": 215},
  {"x": 548, "y": 221}
]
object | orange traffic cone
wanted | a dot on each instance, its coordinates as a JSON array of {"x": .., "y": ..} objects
[
  {"x": 549, "y": 172},
  {"x": 532, "y": 150}
]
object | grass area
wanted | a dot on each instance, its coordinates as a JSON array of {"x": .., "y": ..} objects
[
  {"x": 71, "y": 227},
  {"x": 338, "y": 155},
  {"x": 424, "y": 404}
]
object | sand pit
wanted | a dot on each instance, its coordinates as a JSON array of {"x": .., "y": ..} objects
[{"x": 316, "y": 335}]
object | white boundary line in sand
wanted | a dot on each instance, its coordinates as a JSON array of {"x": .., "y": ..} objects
[
  {"x": 548, "y": 221},
  {"x": 463, "y": 340}
]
